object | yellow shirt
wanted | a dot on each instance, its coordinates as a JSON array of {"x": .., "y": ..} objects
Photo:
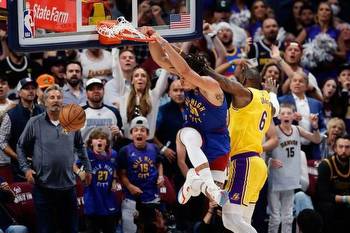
[{"x": 248, "y": 125}]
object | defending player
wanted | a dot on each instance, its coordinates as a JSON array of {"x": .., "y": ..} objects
[{"x": 205, "y": 136}]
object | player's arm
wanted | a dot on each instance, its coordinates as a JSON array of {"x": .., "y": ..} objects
[
  {"x": 184, "y": 70},
  {"x": 271, "y": 138}
]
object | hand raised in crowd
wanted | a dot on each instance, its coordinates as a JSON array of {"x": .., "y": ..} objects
[
  {"x": 156, "y": 11},
  {"x": 207, "y": 28},
  {"x": 275, "y": 53},
  {"x": 160, "y": 181},
  {"x": 30, "y": 176},
  {"x": 297, "y": 116},
  {"x": 314, "y": 120},
  {"x": 134, "y": 190},
  {"x": 170, "y": 155},
  {"x": 115, "y": 131},
  {"x": 271, "y": 85}
]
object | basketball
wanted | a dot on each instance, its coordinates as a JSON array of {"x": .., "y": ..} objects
[{"x": 72, "y": 117}]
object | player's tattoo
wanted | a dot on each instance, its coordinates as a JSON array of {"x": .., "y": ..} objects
[{"x": 220, "y": 97}]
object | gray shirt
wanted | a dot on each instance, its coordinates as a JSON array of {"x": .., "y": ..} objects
[{"x": 52, "y": 151}]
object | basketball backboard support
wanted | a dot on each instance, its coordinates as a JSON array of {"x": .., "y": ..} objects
[{"x": 39, "y": 25}]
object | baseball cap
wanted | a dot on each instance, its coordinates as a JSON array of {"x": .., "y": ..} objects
[
  {"x": 25, "y": 81},
  {"x": 139, "y": 121},
  {"x": 223, "y": 6},
  {"x": 93, "y": 81},
  {"x": 45, "y": 80}
]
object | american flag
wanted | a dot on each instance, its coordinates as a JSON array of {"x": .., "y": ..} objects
[{"x": 180, "y": 21}]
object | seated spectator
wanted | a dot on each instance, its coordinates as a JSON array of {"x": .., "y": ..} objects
[
  {"x": 333, "y": 191},
  {"x": 140, "y": 171},
  {"x": 344, "y": 80},
  {"x": 304, "y": 107},
  {"x": 307, "y": 17},
  {"x": 100, "y": 206},
  {"x": 149, "y": 218},
  {"x": 7, "y": 223},
  {"x": 309, "y": 221},
  {"x": 335, "y": 128}
]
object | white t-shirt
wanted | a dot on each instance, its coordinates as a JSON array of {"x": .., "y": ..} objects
[{"x": 101, "y": 65}]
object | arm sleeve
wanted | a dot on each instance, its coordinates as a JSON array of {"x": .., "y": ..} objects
[
  {"x": 5, "y": 130},
  {"x": 25, "y": 140},
  {"x": 81, "y": 151},
  {"x": 324, "y": 192}
]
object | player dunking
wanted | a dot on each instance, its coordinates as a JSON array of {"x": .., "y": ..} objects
[
  {"x": 250, "y": 117},
  {"x": 205, "y": 136}
]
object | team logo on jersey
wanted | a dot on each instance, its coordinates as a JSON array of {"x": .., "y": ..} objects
[{"x": 195, "y": 109}]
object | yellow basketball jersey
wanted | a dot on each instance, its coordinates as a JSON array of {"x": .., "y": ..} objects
[{"x": 248, "y": 125}]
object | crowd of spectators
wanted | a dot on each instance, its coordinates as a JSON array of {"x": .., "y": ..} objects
[{"x": 134, "y": 110}]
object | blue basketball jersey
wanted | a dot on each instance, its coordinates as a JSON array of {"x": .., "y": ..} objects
[
  {"x": 141, "y": 166},
  {"x": 98, "y": 197},
  {"x": 210, "y": 121},
  {"x": 232, "y": 56}
]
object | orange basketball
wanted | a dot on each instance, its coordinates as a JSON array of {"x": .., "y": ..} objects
[{"x": 72, "y": 117}]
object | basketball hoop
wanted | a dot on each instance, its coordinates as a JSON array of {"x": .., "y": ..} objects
[{"x": 114, "y": 31}]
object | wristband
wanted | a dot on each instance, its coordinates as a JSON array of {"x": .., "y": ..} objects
[{"x": 162, "y": 151}]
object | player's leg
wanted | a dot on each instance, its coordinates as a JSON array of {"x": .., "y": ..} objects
[
  {"x": 274, "y": 201},
  {"x": 248, "y": 213},
  {"x": 232, "y": 218},
  {"x": 192, "y": 141}
]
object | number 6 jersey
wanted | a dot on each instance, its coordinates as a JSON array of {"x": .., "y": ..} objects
[{"x": 248, "y": 125}]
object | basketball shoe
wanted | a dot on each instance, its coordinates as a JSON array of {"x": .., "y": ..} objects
[{"x": 187, "y": 191}]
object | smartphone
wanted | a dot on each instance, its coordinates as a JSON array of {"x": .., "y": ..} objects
[{"x": 253, "y": 62}]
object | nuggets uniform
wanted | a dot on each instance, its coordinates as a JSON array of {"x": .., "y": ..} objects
[
  {"x": 210, "y": 121},
  {"x": 247, "y": 128}
]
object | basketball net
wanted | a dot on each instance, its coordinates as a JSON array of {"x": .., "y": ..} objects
[{"x": 114, "y": 31}]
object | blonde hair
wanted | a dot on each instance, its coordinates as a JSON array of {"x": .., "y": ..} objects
[
  {"x": 336, "y": 121},
  {"x": 145, "y": 101}
]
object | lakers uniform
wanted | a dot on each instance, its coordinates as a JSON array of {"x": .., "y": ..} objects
[{"x": 247, "y": 128}]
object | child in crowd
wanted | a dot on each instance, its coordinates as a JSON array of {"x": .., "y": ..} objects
[
  {"x": 100, "y": 203},
  {"x": 141, "y": 172},
  {"x": 285, "y": 168}
]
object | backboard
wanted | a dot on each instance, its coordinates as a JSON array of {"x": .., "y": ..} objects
[{"x": 38, "y": 25}]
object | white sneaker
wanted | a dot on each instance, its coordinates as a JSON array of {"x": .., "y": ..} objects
[
  {"x": 185, "y": 191},
  {"x": 218, "y": 195}
]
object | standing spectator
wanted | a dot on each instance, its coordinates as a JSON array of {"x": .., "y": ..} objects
[
  {"x": 43, "y": 81},
  {"x": 53, "y": 156},
  {"x": 16, "y": 67},
  {"x": 304, "y": 107},
  {"x": 100, "y": 206},
  {"x": 73, "y": 91},
  {"x": 56, "y": 67},
  {"x": 285, "y": 169},
  {"x": 5, "y": 105},
  {"x": 99, "y": 114},
  {"x": 140, "y": 100},
  {"x": 294, "y": 25},
  {"x": 334, "y": 103},
  {"x": 96, "y": 63},
  {"x": 123, "y": 62},
  {"x": 141, "y": 172},
  {"x": 344, "y": 80},
  {"x": 7, "y": 223},
  {"x": 333, "y": 188},
  {"x": 262, "y": 48},
  {"x": 272, "y": 71},
  {"x": 307, "y": 15},
  {"x": 16, "y": 119},
  {"x": 291, "y": 63}
]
